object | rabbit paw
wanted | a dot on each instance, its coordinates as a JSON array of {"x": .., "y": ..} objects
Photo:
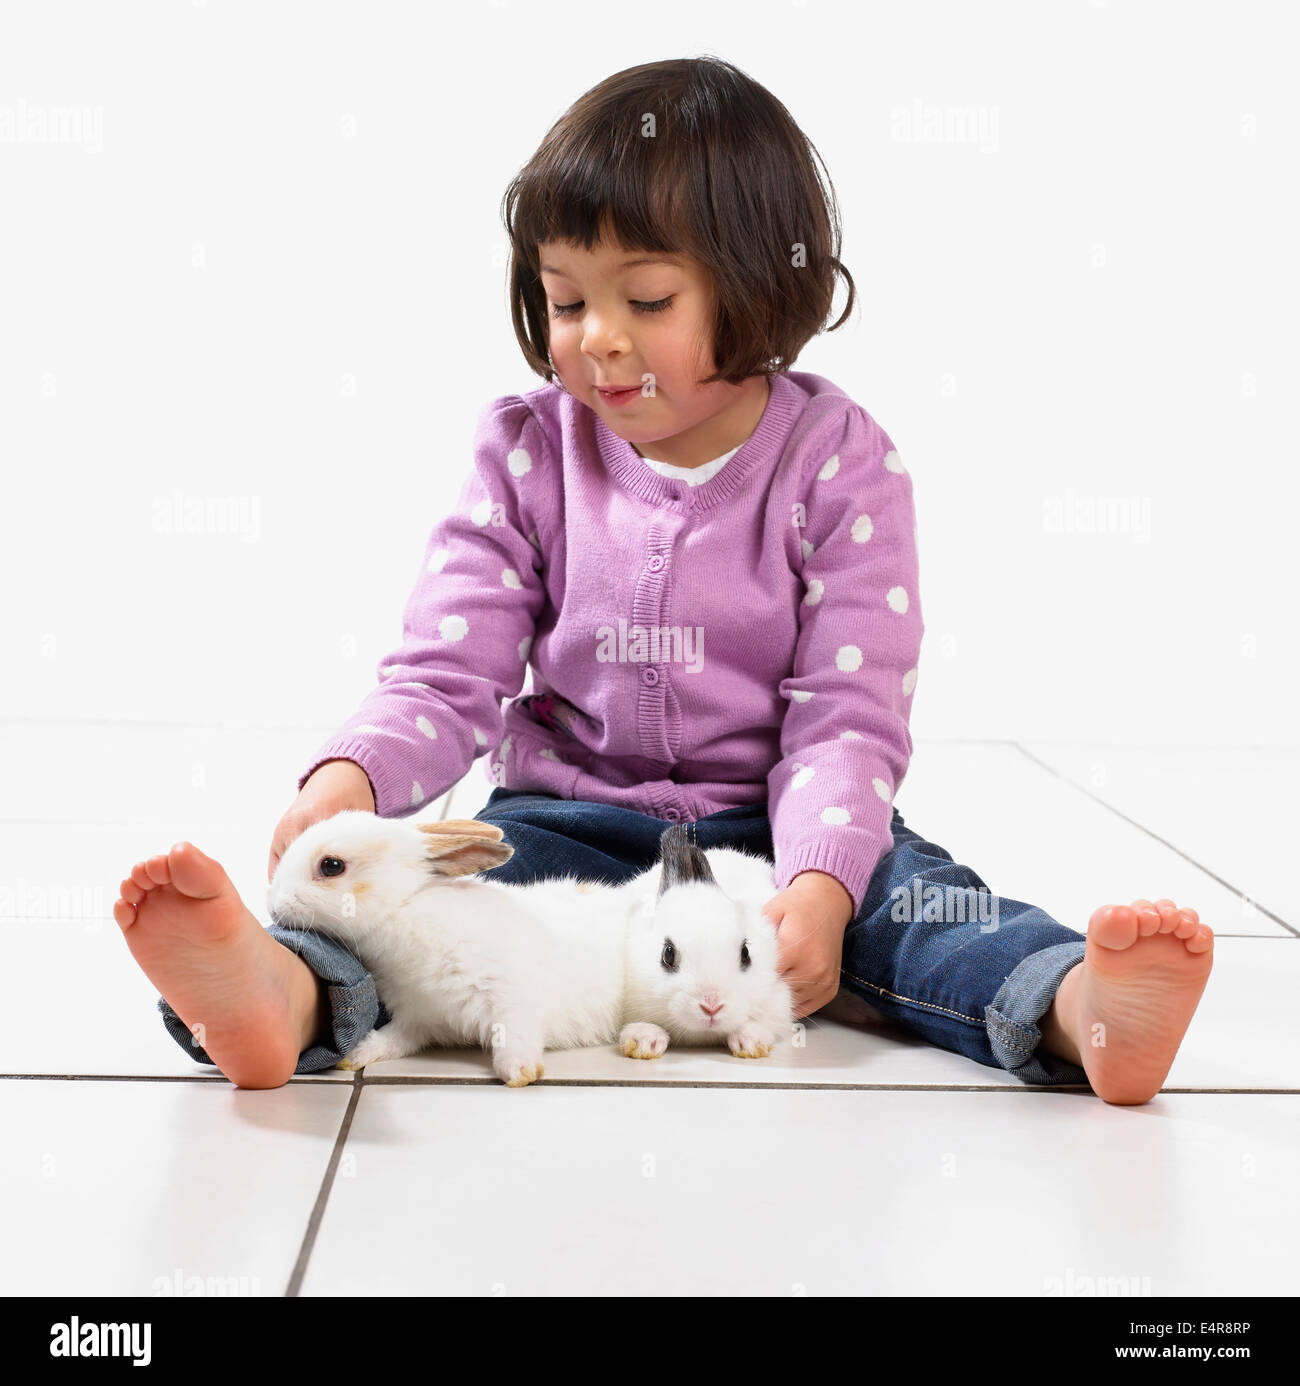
[
  {"x": 375, "y": 1047},
  {"x": 642, "y": 1041},
  {"x": 517, "y": 1069},
  {"x": 749, "y": 1042}
]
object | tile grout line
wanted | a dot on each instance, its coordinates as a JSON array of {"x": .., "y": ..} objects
[
  {"x": 397, "y": 1080},
  {"x": 322, "y": 1198},
  {"x": 152, "y": 1078},
  {"x": 449, "y": 1081},
  {"x": 1142, "y": 828}
]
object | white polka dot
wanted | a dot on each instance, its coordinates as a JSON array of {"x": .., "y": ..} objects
[
  {"x": 893, "y": 462},
  {"x": 897, "y": 599},
  {"x": 909, "y": 682},
  {"x": 386, "y": 669},
  {"x": 862, "y": 528},
  {"x": 438, "y": 560},
  {"x": 851, "y": 736},
  {"x": 370, "y": 727},
  {"x": 547, "y": 754},
  {"x": 479, "y": 738},
  {"x": 482, "y": 512},
  {"x": 807, "y": 549},
  {"x": 800, "y": 695},
  {"x": 519, "y": 462},
  {"x": 881, "y": 788},
  {"x": 525, "y": 645},
  {"x": 427, "y": 728},
  {"x": 417, "y": 794},
  {"x": 829, "y": 469},
  {"x": 816, "y": 590},
  {"x": 453, "y": 627},
  {"x": 835, "y": 815},
  {"x": 510, "y": 578},
  {"x": 802, "y": 776},
  {"x": 848, "y": 658}
]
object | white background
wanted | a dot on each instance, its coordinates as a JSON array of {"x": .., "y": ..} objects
[{"x": 270, "y": 266}]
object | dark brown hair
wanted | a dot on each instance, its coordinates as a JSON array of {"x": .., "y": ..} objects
[{"x": 687, "y": 156}]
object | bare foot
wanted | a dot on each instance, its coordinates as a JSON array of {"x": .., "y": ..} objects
[
  {"x": 1122, "y": 1012},
  {"x": 251, "y": 1003}
]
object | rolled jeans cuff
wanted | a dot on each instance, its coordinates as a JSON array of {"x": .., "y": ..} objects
[
  {"x": 355, "y": 1007},
  {"x": 1022, "y": 1000}
]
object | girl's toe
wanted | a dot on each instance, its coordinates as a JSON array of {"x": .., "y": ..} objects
[
  {"x": 1202, "y": 940},
  {"x": 1148, "y": 921}
]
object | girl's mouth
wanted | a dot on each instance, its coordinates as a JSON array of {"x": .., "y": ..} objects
[{"x": 619, "y": 396}]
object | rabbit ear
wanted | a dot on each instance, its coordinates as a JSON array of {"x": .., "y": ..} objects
[
  {"x": 463, "y": 827},
  {"x": 464, "y": 846},
  {"x": 681, "y": 860}
]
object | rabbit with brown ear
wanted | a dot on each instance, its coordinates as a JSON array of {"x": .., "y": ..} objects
[{"x": 554, "y": 964}]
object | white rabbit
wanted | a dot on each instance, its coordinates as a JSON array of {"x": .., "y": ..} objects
[
  {"x": 701, "y": 955},
  {"x": 519, "y": 969}
]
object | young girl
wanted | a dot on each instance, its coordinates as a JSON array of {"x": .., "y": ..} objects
[{"x": 709, "y": 561}]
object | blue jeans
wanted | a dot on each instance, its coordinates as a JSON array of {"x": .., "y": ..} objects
[{"x": 931, "y": 948}]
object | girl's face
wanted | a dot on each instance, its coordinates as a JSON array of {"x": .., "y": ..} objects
[{"x": 616, "y": 316}]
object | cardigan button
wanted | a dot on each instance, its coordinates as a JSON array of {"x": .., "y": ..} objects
[
  {"x": 671, "y": 815},
  {"x": 655, "y": 562},
  {"x": 649, "y": 676}
]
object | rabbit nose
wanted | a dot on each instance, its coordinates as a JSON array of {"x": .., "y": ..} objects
[{"x": 711, "y": 1009}]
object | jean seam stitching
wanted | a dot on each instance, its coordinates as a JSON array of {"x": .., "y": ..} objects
[{"x": 912, "y": 1001}]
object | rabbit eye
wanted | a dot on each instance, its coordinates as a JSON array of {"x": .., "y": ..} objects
[
  {"x": 668, "y": 959},
  {"x": 744, "y": 955},
  {"x": 332, "y": 866}
]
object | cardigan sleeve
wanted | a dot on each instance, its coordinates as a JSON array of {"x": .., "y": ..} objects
[
  {"x": 467, "y": 628},
  {"x": 845, "y": 743}
]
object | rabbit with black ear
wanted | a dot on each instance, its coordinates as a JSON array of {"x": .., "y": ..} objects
[
  {"x": 516, "y": 969},
  {"x": 702, "y": 957}
]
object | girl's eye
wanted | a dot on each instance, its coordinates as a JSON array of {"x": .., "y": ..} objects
[
  {"x": 332, "y": 866},
  {"x": 565, "y": 310},
  {"x": 744, "y": 955},
  {"x": 668, "y": 958}
]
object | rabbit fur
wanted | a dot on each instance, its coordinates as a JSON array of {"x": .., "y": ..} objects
[{"x": 681, "y": 952}]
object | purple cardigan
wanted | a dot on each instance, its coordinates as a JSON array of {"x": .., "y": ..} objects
[{"x": 693, "y": 648}]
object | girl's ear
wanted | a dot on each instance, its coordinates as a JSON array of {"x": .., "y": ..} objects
[{"x": 464, "y": 846}]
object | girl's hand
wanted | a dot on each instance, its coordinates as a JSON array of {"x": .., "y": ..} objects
[
  {"x": 810, "y": 915},
  {"x": 332, "y": 787}
]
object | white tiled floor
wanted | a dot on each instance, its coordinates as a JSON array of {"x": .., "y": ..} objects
[{"x": 861, "y": 1161}]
